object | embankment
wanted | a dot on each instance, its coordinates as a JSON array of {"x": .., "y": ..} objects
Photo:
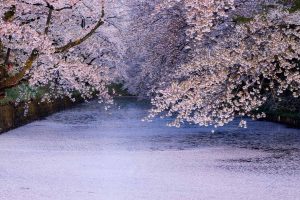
[
  {"x": 12, "y": 116},
  {"x": 290, "y": 121}
]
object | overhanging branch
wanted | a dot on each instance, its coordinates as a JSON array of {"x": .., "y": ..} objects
[
  {"x": 84, "y": 38},
  {"x": 14, "y": 80},
  {"x": 80, "y": 40}
]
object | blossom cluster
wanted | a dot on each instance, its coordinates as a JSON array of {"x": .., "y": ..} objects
[
  {"x": 56, "y": 44},
  {"x": 235, "y": 69}
]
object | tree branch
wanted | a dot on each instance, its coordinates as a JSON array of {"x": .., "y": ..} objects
[
  {"x": 48, "y": 20},
  {"x": 84, "y": 38},
  {"x": 8, "y": 15},
  {"x": 7, "y": 57},
  {"x": 14, "y": 80},
  {"x": 47, "y": 5},
  {"x": 6, "y": 61}
]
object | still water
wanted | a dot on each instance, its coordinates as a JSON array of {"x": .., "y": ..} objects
[{"x": 88, "y": 153}]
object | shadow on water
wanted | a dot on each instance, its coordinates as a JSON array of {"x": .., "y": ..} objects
[
  {"x": 281, "y": 146},
  {"x": 123, "y": 122}
]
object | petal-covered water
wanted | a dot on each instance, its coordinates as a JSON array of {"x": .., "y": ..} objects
[{"x": 90, "y": 153}]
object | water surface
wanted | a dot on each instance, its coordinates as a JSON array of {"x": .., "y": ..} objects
[{"x": 90, "y": 153}]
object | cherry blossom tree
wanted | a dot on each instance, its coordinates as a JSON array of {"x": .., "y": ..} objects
[
  {"x": 234, "y": 69},
  {"x": 57, "y": 44},
  {"x": 154, "y": 42},
  {"x": 204, "y": 62},
  {"x": 159, "y": 36}
]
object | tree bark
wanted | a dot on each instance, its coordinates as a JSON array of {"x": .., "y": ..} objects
[
  {"x": 80, "y": 40},
  {"x": 14, "y": 80}
]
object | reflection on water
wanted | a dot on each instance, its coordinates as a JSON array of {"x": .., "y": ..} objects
[
  {"x": 123, "y": 126},
  {"x": 90, "y": 153}
]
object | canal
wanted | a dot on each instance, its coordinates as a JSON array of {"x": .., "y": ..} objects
[{"x": 90, "y": 153}]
